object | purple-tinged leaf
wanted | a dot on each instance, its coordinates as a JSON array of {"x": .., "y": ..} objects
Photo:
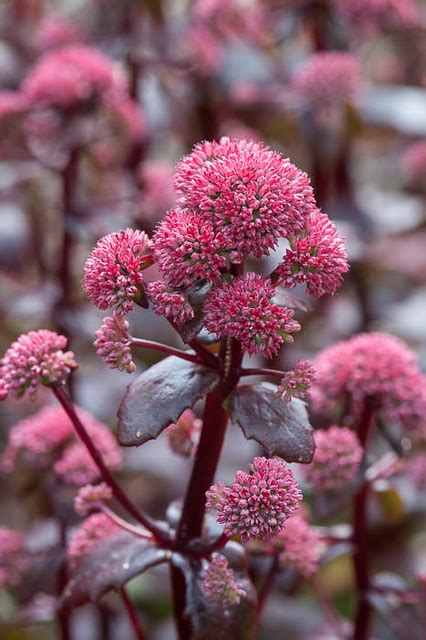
[
  {"x": 281, "y": 428},
  {"x": 159, "y": 396},
  {"x": 109, "y": 565}
]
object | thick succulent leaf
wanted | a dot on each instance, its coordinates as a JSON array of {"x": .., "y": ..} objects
[
  {"x": 281, "y": 428},
  {"x": 210, "y": 621},
  {"x": 159, "y": 396},
  {"x": 109, "y": 565}
]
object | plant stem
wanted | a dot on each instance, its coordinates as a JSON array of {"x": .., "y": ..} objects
[
  {"x": 121, "y": 497},
  {"x": 267, "y": 585},
  {"x": 360, "y": 556},
  {"x": 61, "y": 581},
  {"x": 171, "y": 351},
  {"x": 133, "y": 616},
  {"x": 274, "y": 373}
]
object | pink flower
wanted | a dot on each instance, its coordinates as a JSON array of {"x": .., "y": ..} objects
[
  {"x": 157, "y": 193},
  {"x": 12, "y": 104},
  {"x": 112, "y": 273},
  {"x": 67, "y": 77},
  {"x": 90, "y": 495},
  {"x": 328, "y": 78},
  {"x": 54, "y": 32},
  {"x": 171, "y": 304},
  {"x": 13, "y": 559},
  {"x": 318, "y": 258},
  {"x": 127, "y": 115},
  {"x": 414, "y": 163},
  {"x": 76, "y": 467},
  {"x": 219, "y": 583},
  {"x": 183, "y": 435},
  {"x": 250, "y": 195},
  {"x": 186, "y": 249},
  {"x": 95, "y": 528},
  {"x": 301, "y": 545},
  {"x": 233, "y": 18},
  {"x": 243, "y": 309},
  {"x": 35, "y": 358},
  {"x": 113, "y": 344},
  {"x": 416, "y": 469},
  {"x": 258, "y": 504},
  {"x": 373, "y": 15},
  {"x": 296, "y": 383},
  {"x": 336, "y": 460},
  {"x": 370, "y": 365}
]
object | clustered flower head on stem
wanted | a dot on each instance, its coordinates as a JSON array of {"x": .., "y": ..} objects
[
  {"x": 113, "y": 271},
  {"x": 370, "y": 16},
  {"x": 297, "y": 383},
  {"x": 317, "y": 258},
  {"x": 336, "y": 460},
  {"x": 300, "y": 545},
  {"x": 13, "y": 557},
  {"x": 258, "y": 504},
  {"x": 168, "y": 302},
  {"x": 90, "y": 497},
  {"x": 219, "y": 583},
  {"x": 244, "y": 309},
  {"x": 113, "y": 343},
  {"x": 93, "y": 530},
  {"x": 182, "y": 436},
  {"x": 370, "y": 365},
  {"x": 35, "y": 358}
]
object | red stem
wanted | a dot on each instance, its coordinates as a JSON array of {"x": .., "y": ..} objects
[
  {"x": 121, "y": 497},
  {"x": 171, "y": 351},
  {"x": 267, "y": 585},
  {"x": 261, "y": 372},
  {"x": 132, "y": 614}
]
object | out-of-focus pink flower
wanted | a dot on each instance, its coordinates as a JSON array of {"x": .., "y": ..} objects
[
  {"x": 90, "y": 495},
  {"x": 127, "y": 115},
  {"x": 186, "y": 249},
  {"x": 328, "y": 79},
  {"x": 95, "y": 528},
  {"x": 296, "y": 383},
  {"x": 258, "y": 504},
  {"x": 12, "y": 104},
  {"x": 157, "y": 193},
  {"x": 35, "y": 358},
  {"x": 113, "y": 271},
  {"x": 243, "y": 309},
  {"x": 414, "y": 163},
  {"x": 13, "y": 558},
  {"x": 336, "y": 460},
  {"x": 233, "y": 18},
  {"x": 75, "y": 467},
  {"x": 54, "y": 33},
  {"x": 219, "y": 583},
  {"x": 113, "y": 344},
  {"x": 183, "y": 435},
  {"x": 370, "y": 365},
  {"x": 301, "y": 545},
  {"x": 317, "y": 257},
  {"x": 169, "y": 303},
  {"x": 67, "y": 77},
  {"x": 205, "y": 47},
  {"x": 250, "y": 195},
  {"x": 369, "y": 16},
  {"x": 415, "y": 467}
]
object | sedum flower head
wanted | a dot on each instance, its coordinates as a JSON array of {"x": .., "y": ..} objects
[
  {"x": 243, "y": 309},
  {"x": 90, "y": 495},
  {"x": 113, "y": 271},
  {"x": 13, "y": 558},
  {"x": 258, "y": 504},
  {"x": 219, "y": 583},
  {"x": 66, "y": 77},
  {"x": 95, "y": 528},
  {"x": 250, "y": 195},
  {"x": 297, "y": 383},
  {"x": 186, "y": 249},
  {"x": 169, "y": 303},
  {"x": 317, "y": 258},
  {"x": 35, "y": 358},
  {"x": 328, "y": 79},
  {"x": 336, "y": 460},
  {"x": 113, "y": 343},
  {"x": 370, "y": 365},
  {"x": 300, "y": 544},
  {"x": 182, "y": 436},
  {"x": 373, "y": 15},
  {"x": 54, "y": 33}
]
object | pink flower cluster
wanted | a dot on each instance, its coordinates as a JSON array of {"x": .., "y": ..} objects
[
  {"x": 301, "y": 545},
  {"x": 219, "y": 583},
  {"x": 244, "y": 309},
  {"x": 171, "y": 304},
  {"x": 336, "y": 460},
  {"x": 13, "y": 558},
  {"x": 414, "y": 163},
  {"x": 370, "y": 16},
  {"x": 317, "y": 258},
  {"x": 232, "y": 18},
  {"x": 297, "y": 383},
  {"x": 113, "y": 343},
  {"x": 66, "y": 77},
  {"x": 12, "y": 104},
  {"x": 91, "y": 495},
  {"x": 35, "y": 358},
  {"x": 112, "y": 273},
  {"x": 46, "y": 438},
  {"x": 54, "y": 33},
  {"x": 157, "y": 193},
  {"x": 328, "y": 79},
  {"x": 371, "y": 365},
  {"x": 258, "y": 504},
  {"x": 95, "y": 528},
  {"x": 183, "y": 435}
]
